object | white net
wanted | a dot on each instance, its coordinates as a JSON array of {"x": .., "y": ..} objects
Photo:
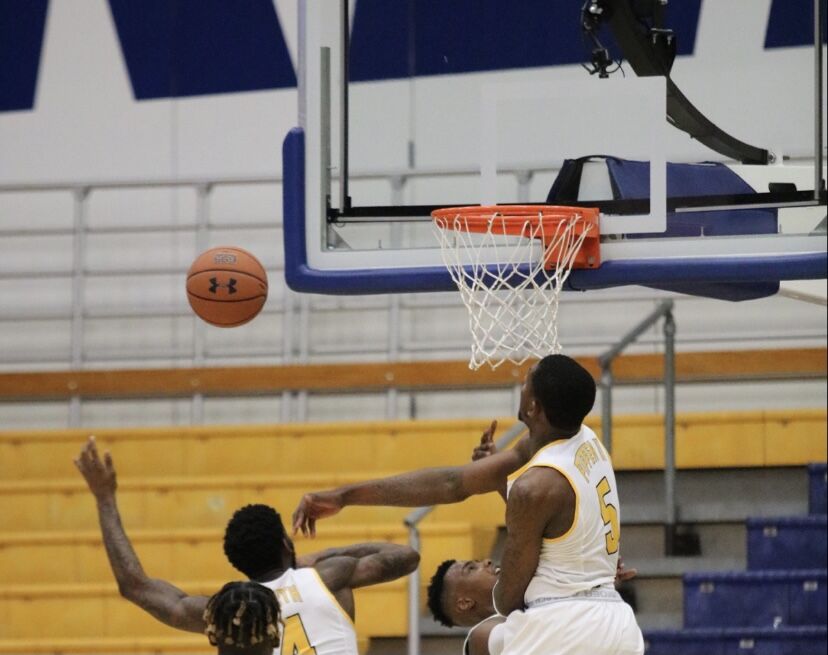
[{"x": 507, "y": 283}]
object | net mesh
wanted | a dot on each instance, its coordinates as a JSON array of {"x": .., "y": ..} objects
[{"x": 513, "y": 302}]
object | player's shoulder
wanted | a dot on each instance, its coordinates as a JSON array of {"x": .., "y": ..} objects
[
  {"x": 539, "y": 482},
  {"x": 477, "y": 642}
]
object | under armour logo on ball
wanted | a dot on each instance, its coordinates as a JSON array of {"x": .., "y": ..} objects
[{"x": 230, "y": 286}]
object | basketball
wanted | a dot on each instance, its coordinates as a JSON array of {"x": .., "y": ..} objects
[{"x": 226, "y": 286}]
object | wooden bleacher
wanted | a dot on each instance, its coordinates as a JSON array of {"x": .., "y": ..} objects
[{"x": 179, "y": 486}]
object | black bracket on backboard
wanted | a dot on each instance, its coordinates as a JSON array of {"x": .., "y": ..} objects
[{"x": 650, "y": 49}]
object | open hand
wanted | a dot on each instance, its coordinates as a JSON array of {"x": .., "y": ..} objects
[
  {"x": 487, "y": 445},
  {"x": 99, "y": 474},
  {"x": 314, "y": 506}
]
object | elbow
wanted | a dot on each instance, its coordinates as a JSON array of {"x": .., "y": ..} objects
[
  {"x": 127, "y": 591},
  {"x": 411, "y": 561},
  {"x": 130, "y": 589}
]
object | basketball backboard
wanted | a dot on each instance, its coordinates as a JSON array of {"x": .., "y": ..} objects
[{"x": 417, "y": 136}]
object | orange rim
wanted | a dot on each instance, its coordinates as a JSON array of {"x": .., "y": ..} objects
[{"x": 522, "y": 220}]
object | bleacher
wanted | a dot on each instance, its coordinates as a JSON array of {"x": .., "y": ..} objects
[
  {"x": 179, "y": 486},
  {"x": 177, "y": 489},
  {"x": 778, "y": 606}
]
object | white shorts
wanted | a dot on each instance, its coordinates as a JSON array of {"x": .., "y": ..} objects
[{"x": 578, "y": 626}]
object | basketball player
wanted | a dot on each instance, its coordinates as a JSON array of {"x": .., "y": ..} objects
[
  {"x": 562, "y": 520},
  {"x": 243, "y": 618},
  {"x": 460, "y": 594},
  {"x": 315, "y": 594}
]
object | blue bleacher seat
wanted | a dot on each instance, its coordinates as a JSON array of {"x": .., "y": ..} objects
[
  {"x": 818, "y": 488},
  {"x": 787, "y": 543},
  {"x": 738, "y": 641},
  {"x": 755, "y": 599}
]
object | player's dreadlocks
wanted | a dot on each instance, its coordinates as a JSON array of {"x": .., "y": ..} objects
[{"x": 242, "y": 614}]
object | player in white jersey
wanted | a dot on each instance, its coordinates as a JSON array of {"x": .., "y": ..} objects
[
  {"x": 315, "y": 593},
  {"x": 460, "y": 594},
  {"x": 562, "y": 532}
]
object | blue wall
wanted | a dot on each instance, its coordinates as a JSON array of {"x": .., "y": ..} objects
[{"x": 179, "y": 48}]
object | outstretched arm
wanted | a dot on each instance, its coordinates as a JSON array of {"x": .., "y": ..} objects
[
  {"x": 390, "y": 563},
  {"x": 487, "y": 448},
  {"x": 431, "y": 486},
  {"x": 356, "y": 550},
  {"x": 164, "y": 601},
  {"x": 341, "y": 574}
]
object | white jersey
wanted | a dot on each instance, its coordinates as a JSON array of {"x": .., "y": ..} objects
[
  {"x": 586, "y": 556},
  {"x": 313, "y": 622}
]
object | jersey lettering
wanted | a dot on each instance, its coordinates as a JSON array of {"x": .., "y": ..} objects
[
  {"x": 610, "y": 515},
  {"x": 294, "y": 638}
]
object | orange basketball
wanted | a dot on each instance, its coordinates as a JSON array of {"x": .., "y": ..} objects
[{"x": 226, "y": 286}]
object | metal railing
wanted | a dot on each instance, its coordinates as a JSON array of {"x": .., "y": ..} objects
[
  {"x": 295, "y": 347},
  {"x": 663, "y": 311},
  {"x": 412, "y": 522},
  {"x": 605, "y": 360}
]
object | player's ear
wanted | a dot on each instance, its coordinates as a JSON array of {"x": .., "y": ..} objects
[{"x": 464, "y": 604}]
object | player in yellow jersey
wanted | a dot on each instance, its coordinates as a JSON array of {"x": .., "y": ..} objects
[
  {"x": 315, "y": 594},
  {"x": 562, "y": 520}
]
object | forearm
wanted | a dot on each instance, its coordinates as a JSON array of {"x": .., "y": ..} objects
[
  {"x": 126, "y": 567},
  {"x": 434, "y": 486},
  {"x": 162, "y": 600},
  {"x": 355, "y": 550},
  {"x": 507, "y": 598}
]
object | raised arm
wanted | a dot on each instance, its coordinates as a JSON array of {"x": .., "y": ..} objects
[
  {"x": 164, "y": 601},
  {"x": 431, "y": 486}
]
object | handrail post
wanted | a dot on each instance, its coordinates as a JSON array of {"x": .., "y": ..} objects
[
  {"x": 818, "y": 86},
  {"x": 411, "y": 522},
  {"x": 606, "y": 405},
  {"x": 670, "y": 432},
  {"x": 414, "y": 596}
]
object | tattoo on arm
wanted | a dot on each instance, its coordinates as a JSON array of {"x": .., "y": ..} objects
[
  {"x": 351, "y": 572},
  {"x": 355, "y": 550},
  {"x": 164, "y": 601},
  {"x": 525, "y": 524}
]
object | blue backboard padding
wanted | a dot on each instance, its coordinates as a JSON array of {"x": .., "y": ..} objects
[
  {"x": 787, "y": 543},
  {"x": 631, "y": 179},
  {"x": 791, "y": 23},
  {"x": 21, "y": 40},
  {"x": 817, "y": 488},
  {"x": 433, "y": 37},
  {"x": 737, "y": 641},
  {"x": 755, "y": 598},
  {"x": 179, "y": 48},
  {"x": 303, "y": 278}
]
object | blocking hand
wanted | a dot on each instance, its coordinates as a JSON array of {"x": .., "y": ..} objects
[{"x": 487, "y": 445}]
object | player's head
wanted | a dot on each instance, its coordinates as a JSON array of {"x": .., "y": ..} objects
[
  {"x": 460, "y": 593},
  {"x": 256, "y": 543},
  {"x": 243, "y": 618},
  {"x": 559, "y": 390}
]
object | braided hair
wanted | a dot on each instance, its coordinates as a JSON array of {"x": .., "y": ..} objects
[{"x": 242, "y": 614}]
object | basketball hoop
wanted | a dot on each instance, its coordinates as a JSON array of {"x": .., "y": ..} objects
[{"x": 510, "y": 263}]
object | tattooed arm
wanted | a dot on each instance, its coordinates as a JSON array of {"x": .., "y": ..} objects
[{"x": 164, "y": 601}]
